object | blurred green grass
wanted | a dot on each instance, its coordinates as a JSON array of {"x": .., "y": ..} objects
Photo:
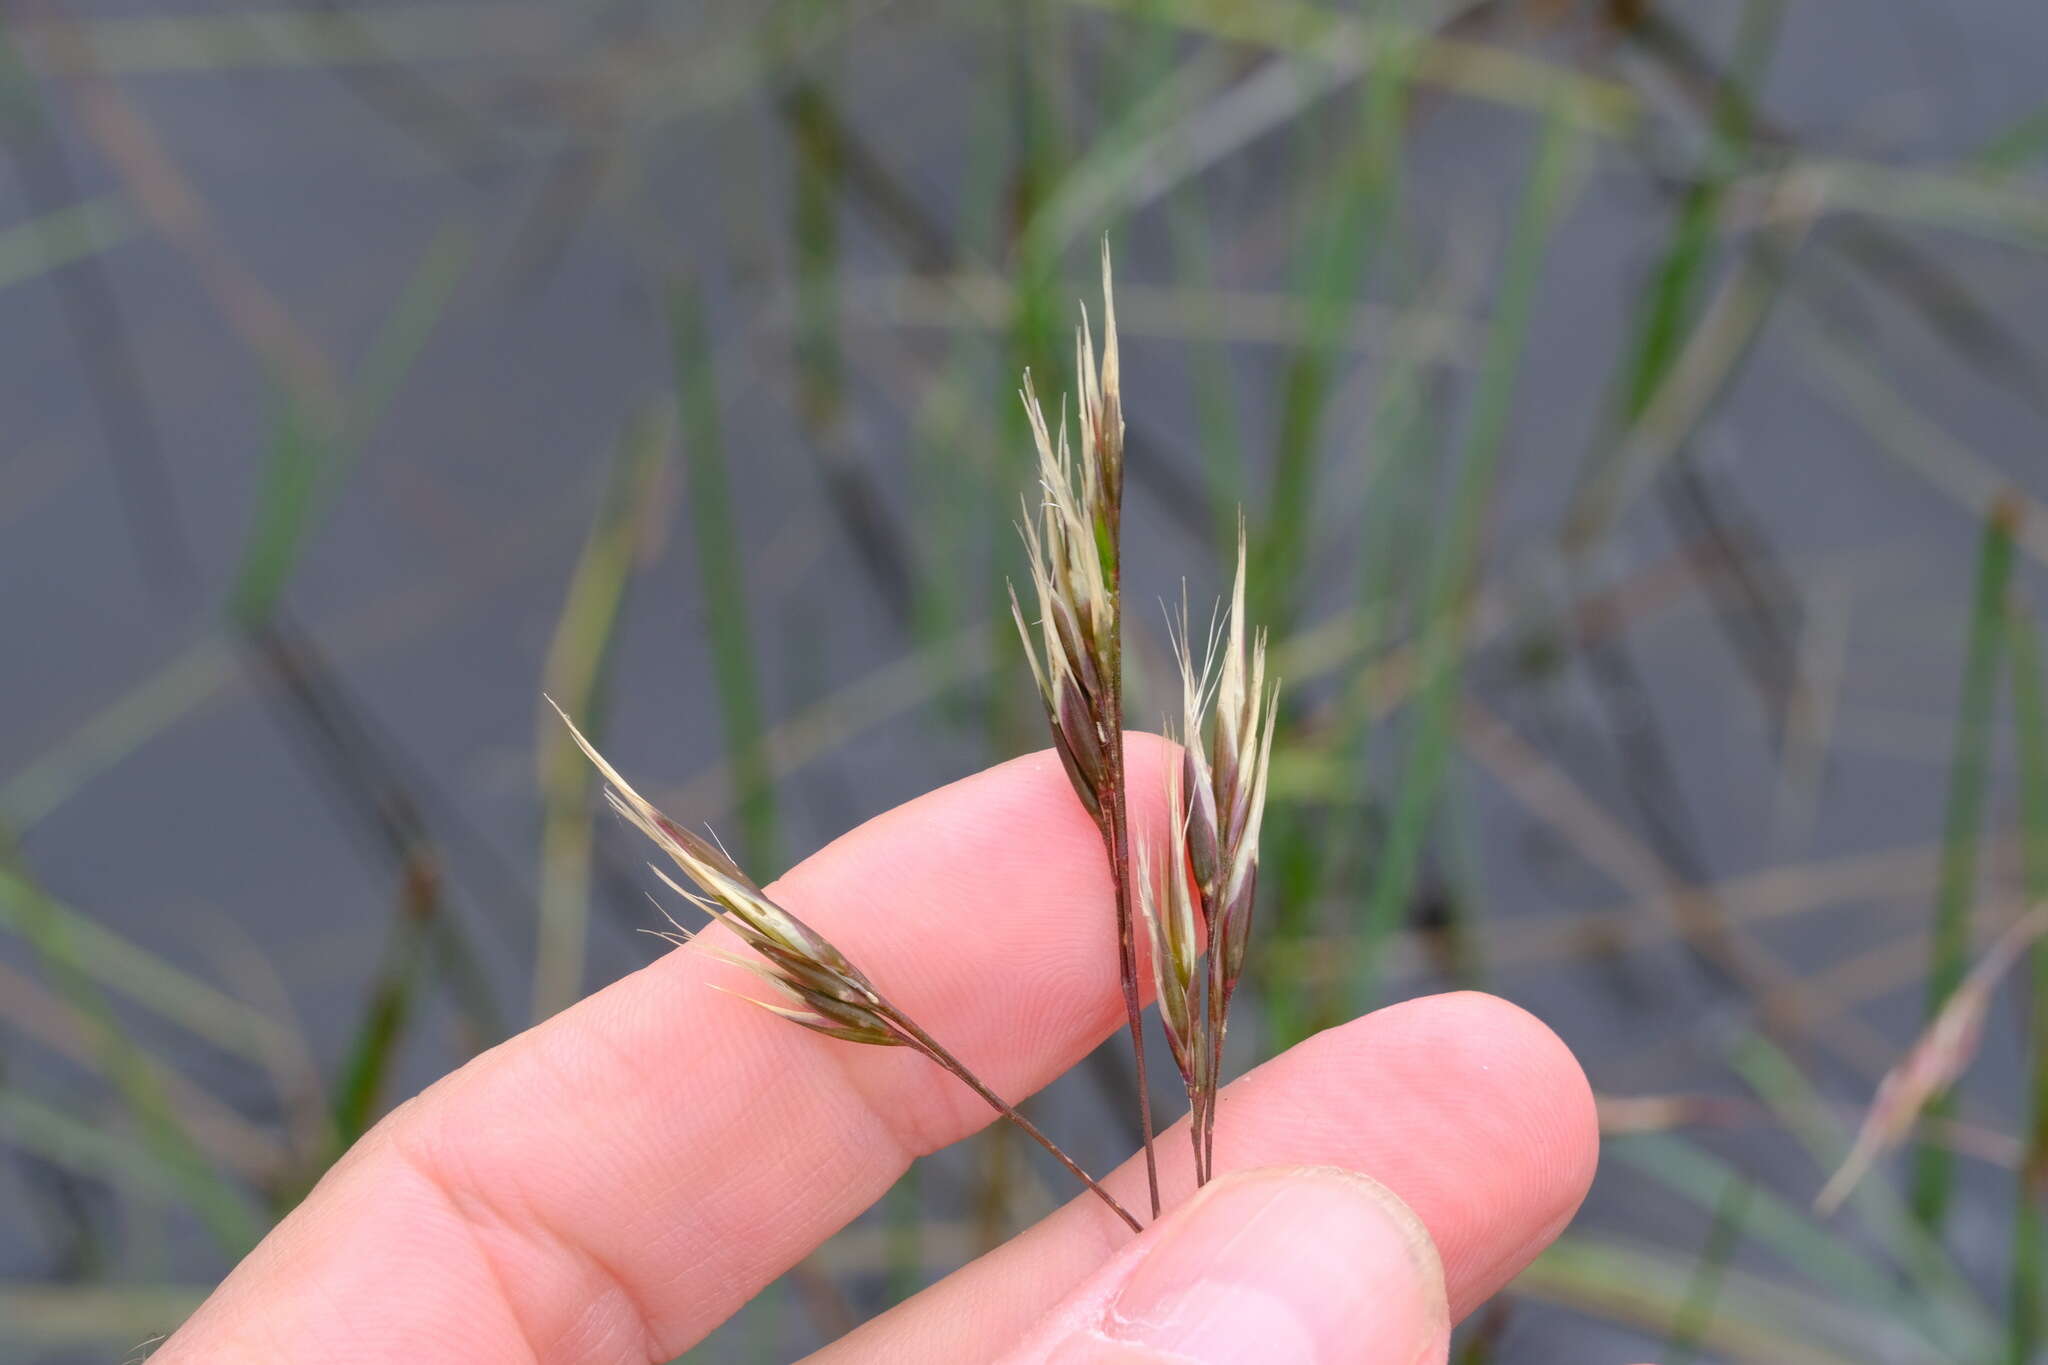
[{"x": 1368, "y": 395}]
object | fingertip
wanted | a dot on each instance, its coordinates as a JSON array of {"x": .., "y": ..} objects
[
  {"x": 1505, "y": 1051},
  {"x": 1495, "y": 1132},
  {"x": 1294, "y": 1265},
  {"x": 1468, "y": 1108}
]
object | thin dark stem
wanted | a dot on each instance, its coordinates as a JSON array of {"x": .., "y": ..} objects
[
  {"x": 1116, "y": 836},
  {"x": 1212, "y": 1084},
  {"x": 930, "y": 1047},
  {"x": 1218, "y": 1003}
]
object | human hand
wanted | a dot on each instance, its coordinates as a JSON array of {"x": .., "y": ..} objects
[{"x": 614, "y": 1183}]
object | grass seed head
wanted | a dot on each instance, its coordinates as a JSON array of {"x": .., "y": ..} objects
[
  {"x": 1070, "y": 541},
  {"x": 827, "y": 992},
  {"x": 1223, "y": 780},
  {"x": 1208, "y": 877}
]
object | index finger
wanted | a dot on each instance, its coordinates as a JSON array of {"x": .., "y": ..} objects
[{"x": 614, "y": 1183}]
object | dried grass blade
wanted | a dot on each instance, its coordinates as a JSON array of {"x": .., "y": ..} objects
[
  {"x": 578, "y": 660},
  {"x": 1935, "y": 1061}
]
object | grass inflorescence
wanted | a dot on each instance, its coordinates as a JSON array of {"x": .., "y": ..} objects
[
  {"x": 1195, "y": 894},
  {"x": 1075, "y": 549},
  {"x": 1205, "y": 879},
  {"x": 820, "y": 987}
]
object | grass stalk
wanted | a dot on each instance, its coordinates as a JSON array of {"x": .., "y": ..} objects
[
  {"x": 310, "y": 458},
  {"x": 118, "y": 964},
  {"x": 221, "y": 1207},
  {"x": 359, "y": 1090},
  {"x": 1955, "y": 1311},
  {"x": 2016, "y": 146},
  {"x": 2027, "y": 1307},
  {"x": 904, "y": 1211},
  {"x": 1076, "y": 649},
  {"x": 94, "y": 1148},
  {"x": 930, "y": 1047},
  {"x": 577, "y": 661},
  {"x": 1775, "y": 1225},
  {"x": 1354, "y": 216},
  {"x": 1949, "y": 951},
  {"x": 722, "y": 579},
  {"x": 1455, "y": 565},
  {"x": 1696, "y": 1313},
  {"x": 57, "y": 238}
]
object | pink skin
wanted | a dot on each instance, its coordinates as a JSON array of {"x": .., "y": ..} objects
[{"x": 613, "y": 1184}]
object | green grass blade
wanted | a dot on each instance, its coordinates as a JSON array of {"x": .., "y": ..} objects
[
  {"x": 1354, "y": 217},
  {"x": 420, "y": 306},
  {"x": 308, "y": 463},
  {"x": 2019, "y": 146},
  {"x": 2028, "y": 1308},
  {"x": 1956, "y": 1308},
  {"x": 956, "y": 490},
  {"x": 1698, "y": 1311},
  {"x": 1949, "y": 953},
  {"x": 120, "y": 966},
  {"x": 814, "y": 227},
  {"x": 905, "y": 1236},
  {"x": 359, "y": 1091},
  {"x": 1216, "y": 414},
  {"x": 1788, "y": 1232},
  {"x": 1308, "y": 867},
  {"x": 220, "y": 1205},
  {"x": 1668, "y": 323},
  {"x": 424, "y": 935},
  {"x": 39, "y": 788},
  {"x": 1851, "y": 380},
  {"x": 722, "y": 579},
  {"x": 1646, "y": 1287},
  {"x": 578, "y": 661},
  {"x": 285, "y": 503},
  {"x": 56, "y": 239},
  {"x": 1328, "y": 35},
  {"x": 94, "y": 1148},
  {"x": 1456, "y": 563}
]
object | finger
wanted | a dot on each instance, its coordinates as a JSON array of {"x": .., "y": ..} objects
[
  {"x": 1466, "y": 1107},
  {"x": 1284, "y": 1265},
  {"x": 614, "y": 1183}
]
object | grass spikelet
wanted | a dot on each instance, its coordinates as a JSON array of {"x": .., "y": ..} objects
[
  {"x": 1239, "y": 758},
  {"x": 818, "y": 986},
  {"x": 1076, "y": 651},
  {"x": 1167, "y": 903},
  {"x": 1206, "y": 883}
]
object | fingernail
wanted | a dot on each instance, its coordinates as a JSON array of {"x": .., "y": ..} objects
[{"x": 1313, "y": 1266}]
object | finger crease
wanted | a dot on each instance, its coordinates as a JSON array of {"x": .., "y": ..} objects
[{"x": 479, "y": 1214}]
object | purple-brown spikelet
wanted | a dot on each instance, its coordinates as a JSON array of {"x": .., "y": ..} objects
[
  {"x": 1209, "y": 873},
  {"x": 1076, "y": 646}
]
